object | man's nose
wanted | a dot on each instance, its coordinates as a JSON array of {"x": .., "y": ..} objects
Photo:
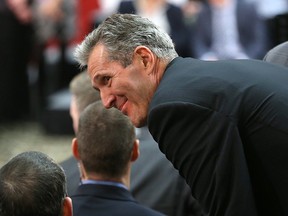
[{"x": 108, "y": 99}]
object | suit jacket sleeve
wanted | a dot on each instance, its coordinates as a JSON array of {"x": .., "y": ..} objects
[{"x": 206, "y": 148}]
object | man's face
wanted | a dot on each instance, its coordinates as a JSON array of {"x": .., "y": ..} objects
[{"x": 128, "y": 89}]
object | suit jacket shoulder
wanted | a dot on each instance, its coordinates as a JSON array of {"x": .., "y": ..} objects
[
  {"x": 204, "y": 116},
  {"x": 101, "y": 200}
]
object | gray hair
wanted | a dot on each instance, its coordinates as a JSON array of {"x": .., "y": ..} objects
[
  {"x": 121, "y": 34},
  {"x": 81, "y": 88}
]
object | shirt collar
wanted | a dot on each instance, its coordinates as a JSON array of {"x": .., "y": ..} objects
[{"x": 111, "y": 183}]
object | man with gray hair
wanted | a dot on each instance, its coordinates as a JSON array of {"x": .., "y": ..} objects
[{"x": 223, "y": 124}]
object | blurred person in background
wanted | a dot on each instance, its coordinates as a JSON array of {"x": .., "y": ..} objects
[
  {"x": 60, "y": 26},
  {"x": 275, "y": 15},
  {"x": 229, "y": 29},
  {"x": 270, "y": 8},
  {"x": 16, "y": 24},
  {"x": 191, "y": 8}
]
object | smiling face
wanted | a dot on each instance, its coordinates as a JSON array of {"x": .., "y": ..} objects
[{"x": 128, "y": 89}]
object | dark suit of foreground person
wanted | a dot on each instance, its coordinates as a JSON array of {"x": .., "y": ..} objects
[
  {"x": 105, "y": 147},
  {"x": 223, "y": 124},
  {"x": 32, "y": 184}
]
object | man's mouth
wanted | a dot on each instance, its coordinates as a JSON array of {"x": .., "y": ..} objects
[{"x": 122, "y": 107}]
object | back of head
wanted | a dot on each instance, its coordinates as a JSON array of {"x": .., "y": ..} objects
[
  {"x": 31, "y": 184},
  {"x": 278, "y": 55},
  {"x": 121, "y": 34},
  {"x": 81, "y": 88},
  {"x": 105, "y": 140}
]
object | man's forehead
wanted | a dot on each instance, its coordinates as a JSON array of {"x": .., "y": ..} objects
[
  {"x": 98, "y": 51},
  {"x": 97, "y": 57}
]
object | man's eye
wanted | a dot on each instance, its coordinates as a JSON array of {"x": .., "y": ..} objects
[{"x": 106, "y": 79}]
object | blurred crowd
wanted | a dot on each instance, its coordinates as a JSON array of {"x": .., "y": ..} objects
[{"x": 38, "y": 37}]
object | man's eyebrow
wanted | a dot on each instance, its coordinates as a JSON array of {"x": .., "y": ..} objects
[
  {"x": 97, "y": 80},
  {"x": 98, "y": 77}
]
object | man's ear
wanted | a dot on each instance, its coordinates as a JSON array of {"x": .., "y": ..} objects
[
  {"x": 135, "y": 152},
  {"x": 75, "y": 149},
  {"x": 67, "y": 207},
  {"x": 145, "y": 54}
]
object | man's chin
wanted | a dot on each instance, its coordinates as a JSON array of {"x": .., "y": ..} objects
[{"x": 138, "y": 123}]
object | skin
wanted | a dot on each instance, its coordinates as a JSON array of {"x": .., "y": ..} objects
[
  {"x": 74, "y": 113},
  {"x": 219, "y": 3},
  {"x": 67, "y": 207},
  {"x": 128, "y": 89}
]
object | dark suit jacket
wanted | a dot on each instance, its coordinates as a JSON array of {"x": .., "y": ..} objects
[
  {"x": 92, "y": 199},
  {"x": 157, "y": 184},
  {"x": 252, "y": 31},
  {"x": 178, "y": 30},
  {"x": 224, "y": 125}
]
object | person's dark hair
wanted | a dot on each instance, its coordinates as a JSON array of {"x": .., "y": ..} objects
[
  {"x": 121, "y": 34},
  {"x": 32, "y": 184},
  {"x": 105, "y": 140},
  {"x": 83, "y": 91}
]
